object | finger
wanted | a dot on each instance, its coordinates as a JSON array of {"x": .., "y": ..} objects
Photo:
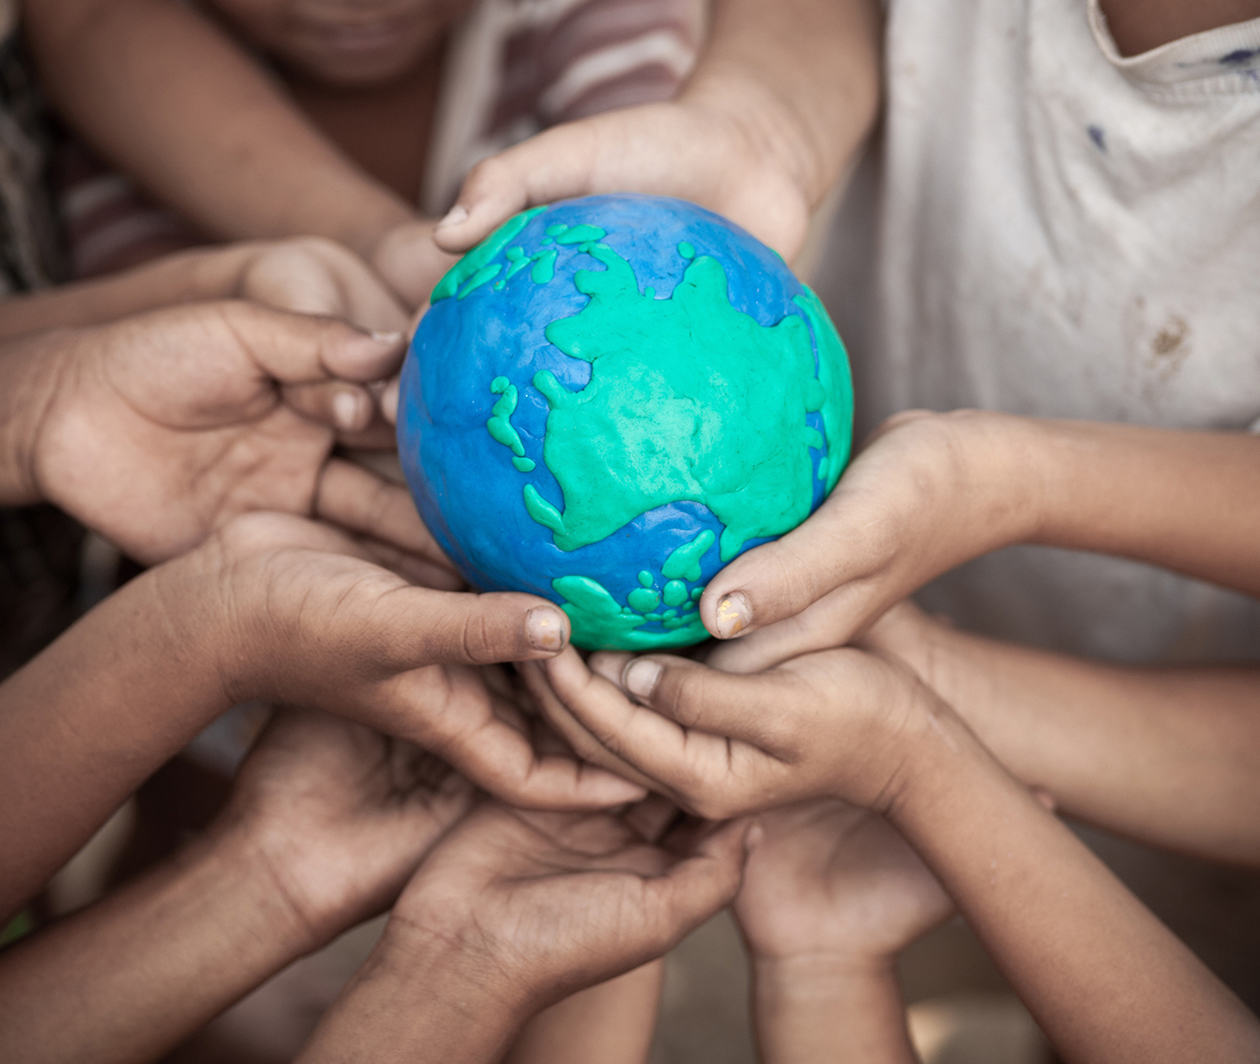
[
  {"x": 410, "y": 261},
  {"x": 651, "y": 743},
  {"x": 298, "y": 348},
  {"x": 411, "y": 567},
  {"x": 707, "y": 700},
  {"x": 552, "y": 165},
  {"x": 341, "y": 406},
  {"x": 827, "y": 623},
  {"x": 581, "y": 741},
  {"x": 389, "y": 401},
  {"x": 500, "y": 759},
  {"x": 701, "y": 883},
  {"x": 653, "y": 817},
  {"x": 360, "y": 500},
  {"x": 412, "y": 627}
]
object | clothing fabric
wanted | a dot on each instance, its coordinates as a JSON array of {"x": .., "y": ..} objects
[
  {"x": 1047, "y": 228},
  {"x": 512, "y": 67}
]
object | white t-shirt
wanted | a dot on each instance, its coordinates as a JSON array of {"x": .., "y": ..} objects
[{"x": 1048, "y": 229}]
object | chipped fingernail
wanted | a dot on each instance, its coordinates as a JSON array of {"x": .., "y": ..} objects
[
  {"x": 734, "y": 614},
  {"x": 348, "y": 409},
  {"x": 641, "y": 677},
  {"x": 544, "y": 628},
  {"x": 457, "y": 215},
  {"x": 388, "y": 338}
]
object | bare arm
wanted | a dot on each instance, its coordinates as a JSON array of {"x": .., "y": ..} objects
[
  {"x": 161, "y": 92},
  {"x": 1166, "y": 755},
  {"x": 932, "y": 491}
]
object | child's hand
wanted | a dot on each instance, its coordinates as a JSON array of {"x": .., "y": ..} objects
[
  {"x": 291, "y": 611},
  {"x": 844, "y": 723},
  {"x": 711, "y": 156},
  {"x": 159, "y": 428},
  {"x": 832, "y": 882},
  {"x": 559, "y": 901},
  {"x": 311, "y": 275},
  {"x": 408, "y": 260},
  {"x": 341, "y": 815},
  {"x": 928, "y": 492}
]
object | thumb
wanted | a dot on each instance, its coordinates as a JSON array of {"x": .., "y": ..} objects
[
  {"x": 301, "y": 349},
  {"x": 414, "y": 627}
]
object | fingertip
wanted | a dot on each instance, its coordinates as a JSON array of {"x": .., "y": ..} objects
[
  {"x": 547, "y": 629},
  {"x": 389, "y": 401},
  {"x": 641, "y": 677},
  {"x": 732, "y": 615},
  {"x": 608, "y": 664},
  {"x": 351, "y": 409},
  {"x": 367, "y": 356}
]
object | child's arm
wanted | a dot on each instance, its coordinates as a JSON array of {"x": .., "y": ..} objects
[
  {"x": 613, "y": 1022},
  {"x": 282, "y": 609},
  {"x": 1167, "y": 755},
  {"x": 1103, "y": 977},
  {"x": 304, "y": 274},
  {"x": 510, "y": 913},
  {"x": 934, "y": 490},
  {"x": 159, "y": 90},
  {"x": 780, "y": 99},
  {"x": 830, "y": 895},
  {"x": 326, "y": 822}
]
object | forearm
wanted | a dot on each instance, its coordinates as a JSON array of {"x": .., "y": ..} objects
[
  {"x": 426, "y": 1007},
  {"x": 201, "y": 274},
  {"x": 162, "y": 92},
  {"x": 1103, "y": 977},
  {"x": 808, "y": 73},
  {"x": 86, "y": 721},
  {"x": 1165, "y": 755},
  {"x": 1188, "y": 501},
  {"x": 810, "y": 1010},
  {"x": 612, "y": 1022},
  {"x": 128, "y": 978}
]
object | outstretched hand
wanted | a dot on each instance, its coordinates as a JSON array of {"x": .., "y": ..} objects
[
  {"x": 301, "y": 614},
  {"x": 161, "y": 427},
  {"x": 512, "y": 911},
  {"x": 341, "y": 814}
]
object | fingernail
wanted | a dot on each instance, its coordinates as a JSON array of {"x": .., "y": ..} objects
[
  {"x": 457, "y": 215},
  {"x": 348, "y": 409},
  {"x": 734, "y": 614},
  {"x": 544, "y": 628},
  {"x": 387, "y": 338},
  {"x": 641, "y": 677}
]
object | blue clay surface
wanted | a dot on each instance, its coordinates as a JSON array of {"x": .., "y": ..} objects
[{"x": 473, "y": 422}]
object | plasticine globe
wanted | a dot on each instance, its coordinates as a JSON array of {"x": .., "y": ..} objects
[{"x": 612, "y": 397}]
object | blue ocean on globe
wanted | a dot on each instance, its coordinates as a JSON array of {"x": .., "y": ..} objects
[{"x": 612, "y": 397}]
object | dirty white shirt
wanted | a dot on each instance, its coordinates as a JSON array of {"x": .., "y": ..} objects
[{"x": 1046, "y": 228}]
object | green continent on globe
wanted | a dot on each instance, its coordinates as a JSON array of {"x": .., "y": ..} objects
[{"x": 652, "y": 426}]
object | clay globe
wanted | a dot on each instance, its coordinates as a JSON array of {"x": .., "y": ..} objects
[{"x": 612, "y": 397}]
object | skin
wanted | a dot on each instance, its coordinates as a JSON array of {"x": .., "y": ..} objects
[
  {"x": 780, "y": 101},
  {"x": 326, "y": 822},
  {"x": 513, "y": 911},
  {"x": 306, "y": 275},
  {"x": 931, "y": 491},
  {"x": 278, "y": 608},
  {"x": 1139, "y": 25},
  {"x": 829, "y": 898},
  {"x": 773, "y": 113},
  {"x": 199, "y": 413},
  {"x": 1104, "y": 979}
]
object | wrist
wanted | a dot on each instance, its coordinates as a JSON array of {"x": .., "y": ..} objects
[
  {"x": 817, "y": 975},
  {"x": 35, "y": 372}
]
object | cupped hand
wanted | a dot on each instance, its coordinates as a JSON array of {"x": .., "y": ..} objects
[
  {"x": 843, "y": 723},
  {"x": 683, "y": 149},
  {"x": 161, "y": 427},
  {"x": 927, "y": 493},
  {"x": 832, "y": 880},
  {"x": 302, "y": 614},
  {"x": 548, "y": 903},
  {"x": 340, "y": 814}
]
